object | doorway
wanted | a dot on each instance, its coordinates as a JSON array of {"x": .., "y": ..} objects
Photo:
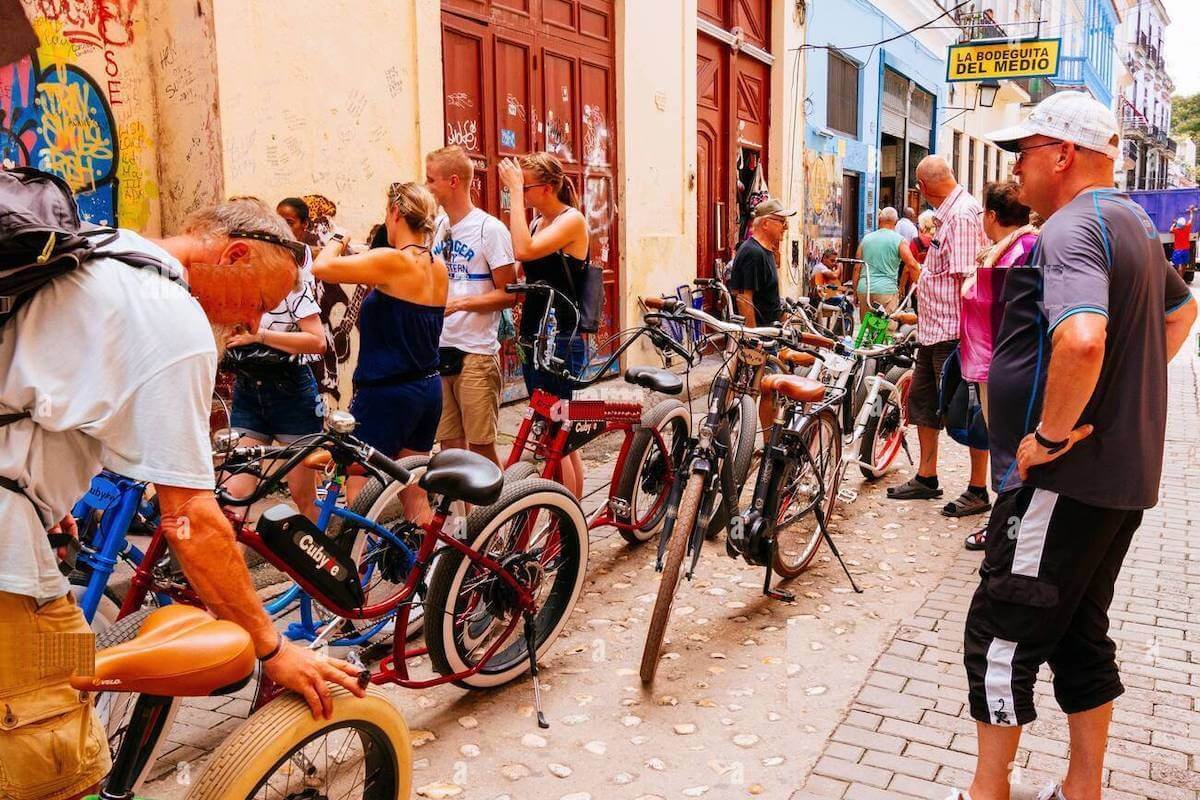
[{"x": 850, "y": 215}]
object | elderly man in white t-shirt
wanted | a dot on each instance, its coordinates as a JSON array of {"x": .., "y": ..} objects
[
  {"x": 115, "y": 368},
  {"x": 478, "y": 252}
]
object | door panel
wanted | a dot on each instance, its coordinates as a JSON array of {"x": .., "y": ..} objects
[
  {"x": 558, "y": 85},
  {"x": 753, "y": 17},
  {"x": 514, "y": 88}
]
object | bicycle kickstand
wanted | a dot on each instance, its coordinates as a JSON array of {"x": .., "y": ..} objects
[
  {"x": 775, "y": 594},
  {"x": 531, "y": 648},
  {"x": 833, "y": 549},
  {"x": 907, "y": 452}
]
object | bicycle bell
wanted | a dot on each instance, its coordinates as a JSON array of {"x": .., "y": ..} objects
[
  {"x": 225, "y": 440},
  {"x": 341, "y": 422}
]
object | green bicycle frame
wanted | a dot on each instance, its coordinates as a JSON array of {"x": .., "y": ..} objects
[{"x": 873, "y": 331}]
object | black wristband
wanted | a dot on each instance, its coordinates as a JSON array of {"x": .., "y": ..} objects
[
  {"x": 1050, "y": 446},
  {"x": 274, "y": 650}
]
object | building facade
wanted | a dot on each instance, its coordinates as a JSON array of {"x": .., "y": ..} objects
[{"x": 1145, "y": 105}]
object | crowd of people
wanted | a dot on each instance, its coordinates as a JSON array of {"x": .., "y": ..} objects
[{"x": 1075, "y": 425}]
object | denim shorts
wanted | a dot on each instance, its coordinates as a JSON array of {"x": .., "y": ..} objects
[
  {"x": 570, "y": 348},
  {"x": 403, "y": 416},
  {"x": 278, "y": 407}
]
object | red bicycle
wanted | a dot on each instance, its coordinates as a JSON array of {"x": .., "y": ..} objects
[
  {"x": 498, "y": 592},
  {"x": 653, "y": 440}
]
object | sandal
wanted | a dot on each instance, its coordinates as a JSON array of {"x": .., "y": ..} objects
[
  {"x": 976, "y": 540},
  {"x": 968, "y": 503},
  {"x": 913, "y": 489}
]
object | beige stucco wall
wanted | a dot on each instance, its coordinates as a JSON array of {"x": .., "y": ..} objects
[
  {"x": 83, "y": 107},
  {"x": 787, "y": 134},
  {"x": 344, "y": 112},
  {"x": 656, "y": 104}
]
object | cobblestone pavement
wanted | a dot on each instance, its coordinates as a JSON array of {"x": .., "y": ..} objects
[{"x": 844, "y": 695}]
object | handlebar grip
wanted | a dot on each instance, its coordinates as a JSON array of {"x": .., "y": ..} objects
[
  {"x": 387, "y": 466},
  {"x": 668, "y": 304},
  {"x": 813, "y": 340},
  {"x": 514, "y": 288}
]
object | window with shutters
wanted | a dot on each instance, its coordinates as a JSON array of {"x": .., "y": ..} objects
[
  {"x": 842, "y": 94},
  {"x": 956, "y": 156}
]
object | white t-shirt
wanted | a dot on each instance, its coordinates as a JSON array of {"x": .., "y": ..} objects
[
  {"x": 906, "y": 229},
  {"x": 478, "y": 244},
  {"x": 301, "y": 303},
  {"x": 117, "y": 365}
]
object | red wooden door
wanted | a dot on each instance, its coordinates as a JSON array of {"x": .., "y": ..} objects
[
  {"x": 713, "y": 155},
  {"x": 543, "y": 75}
]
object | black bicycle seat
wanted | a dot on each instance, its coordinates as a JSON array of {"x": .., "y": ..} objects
[
  {"x": 655, "y": 379},
  {"x": 463, "y": 475}
]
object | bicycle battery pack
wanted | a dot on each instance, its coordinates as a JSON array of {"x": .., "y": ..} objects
[{"x": 322, "y": 562}]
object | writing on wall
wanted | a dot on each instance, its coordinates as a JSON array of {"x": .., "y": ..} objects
[{"x": 64, "y": 106}]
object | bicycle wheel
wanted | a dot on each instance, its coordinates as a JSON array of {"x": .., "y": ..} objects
[
  {"x": 797, "y": 531},
  {"x": 363, "y": 752},
  {"x": 469, "y": 607},
  {"x": 520, "y": 471},
  {"x": 743, "y": 425},
  {"x": 668, "y": 587},
  {"x": 115, "y": 708},
  {"x": 884, "y": 432},
  {"x": 644, "y": 484}
]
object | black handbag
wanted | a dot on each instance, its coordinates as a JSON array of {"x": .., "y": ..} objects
[
  {"x": 589, "y": 297},
  {"x": 259, "y": 361}
]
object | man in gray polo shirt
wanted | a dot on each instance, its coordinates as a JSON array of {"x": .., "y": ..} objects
[{"x": 1078, "y": 401}]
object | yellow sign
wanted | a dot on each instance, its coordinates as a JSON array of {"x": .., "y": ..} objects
[{"x": 975, "y": 61}]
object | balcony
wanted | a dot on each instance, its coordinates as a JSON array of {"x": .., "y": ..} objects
[
  {"x": 978, "y": 25},
  {"x": 1172, "y": 147},
  {"x": 1134, "y": 124},
  {"x": 1078, "y": 72}
]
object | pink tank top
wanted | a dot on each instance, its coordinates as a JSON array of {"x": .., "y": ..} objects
[{"x": 983, "y": 308}]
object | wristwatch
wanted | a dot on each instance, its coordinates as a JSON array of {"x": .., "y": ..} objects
[{"x": 1051, "y": 447}]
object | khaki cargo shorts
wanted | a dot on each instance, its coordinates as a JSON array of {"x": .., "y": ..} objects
[
  {"x": 471, "y": 401},
  {"x": 52, "y": 745}
]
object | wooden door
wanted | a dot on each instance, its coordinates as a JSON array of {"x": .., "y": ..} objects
[
  {"x": 849, "y": 214},
  {"x": 713, "y": 156}
]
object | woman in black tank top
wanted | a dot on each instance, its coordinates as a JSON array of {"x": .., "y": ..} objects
[{"x": 555, "y": 250}]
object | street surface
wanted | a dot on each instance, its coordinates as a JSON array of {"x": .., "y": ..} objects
[{"x": 835, "y": 695}]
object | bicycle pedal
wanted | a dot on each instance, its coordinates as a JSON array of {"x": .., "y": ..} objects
[{"x": 847, "y": 495}]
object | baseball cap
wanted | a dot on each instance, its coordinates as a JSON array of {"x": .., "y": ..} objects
[
  {"x": 771, "y": 207},
  {"x": 1074, "y": 117}
]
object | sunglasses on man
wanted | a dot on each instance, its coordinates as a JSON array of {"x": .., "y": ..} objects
[{"x": 298, "y": 250}]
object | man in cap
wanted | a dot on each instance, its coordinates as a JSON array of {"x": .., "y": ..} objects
[
  {"x": 1078, "y": 398},
  {"x": 754, "y": 275},
  {"x": 754, "y": 278}
]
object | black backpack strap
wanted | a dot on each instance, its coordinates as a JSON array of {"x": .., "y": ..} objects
[
  {"x": 10, "y": 484},
  {"x": 9, "y": 419}
]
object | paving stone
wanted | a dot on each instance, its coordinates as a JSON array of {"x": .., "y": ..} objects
[{"x": 847, "y": 771}]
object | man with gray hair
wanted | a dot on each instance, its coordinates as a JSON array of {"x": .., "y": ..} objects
[
  {"x": 884, "y": 252},
  {"x": 907, "y": 226},
  {"x": 1077, "y": 396},
  {"x": 115, "y": 371}
]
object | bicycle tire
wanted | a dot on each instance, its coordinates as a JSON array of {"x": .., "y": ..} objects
[
  {"x": 107, "y": 610},
  {"x": 668, "y": 587},
  {"x": 452, "y": 566},
  {"x": 790, "y": 563},
  {"x": 115, "y": 708},
  {"x": 275, "y": 733},
  {"x": 869, "y": 449},
  {"x": 742, "y": 453},
  {"x": 669, "y": 414},
  {"x": 520, "y": 471}
]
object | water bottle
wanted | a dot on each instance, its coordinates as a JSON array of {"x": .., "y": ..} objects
[{"x": 551, "y": 333}]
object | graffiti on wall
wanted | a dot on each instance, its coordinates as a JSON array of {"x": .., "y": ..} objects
[
  {"x": 823, "y": 204},
  {"x": 57, "y": 114}
]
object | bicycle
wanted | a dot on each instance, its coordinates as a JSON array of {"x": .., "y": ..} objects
[
  {"x": 716, "y": 467},
  {"x": 183, "y": 652},
  {"x": 647, "y": 463}
]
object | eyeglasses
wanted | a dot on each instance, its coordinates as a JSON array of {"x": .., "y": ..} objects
[
  {"x": 298, "y": 250},
  {"x": 529, "y": 186},
  {"x": 1022, "y": 151}
]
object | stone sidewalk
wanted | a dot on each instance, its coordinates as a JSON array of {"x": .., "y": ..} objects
[{"x": 908, "y": 733}]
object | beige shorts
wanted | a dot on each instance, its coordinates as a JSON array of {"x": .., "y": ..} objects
[
  {"x": 471, "y": 401},
  {"x": 52, "y": 745}
]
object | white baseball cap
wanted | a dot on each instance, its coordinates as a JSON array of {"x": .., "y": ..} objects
[{"x": 1074, "y": 117}]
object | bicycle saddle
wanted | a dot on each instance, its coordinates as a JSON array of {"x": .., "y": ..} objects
[
  {"x": 180, "y": 651},
  {"x": 796, "y": 358},
  {"x": 905, "y": 318},
  {"x": 463, "y": 475},
  {"x": 794, "y": 387},
  {"x": 655, "y": 379}
]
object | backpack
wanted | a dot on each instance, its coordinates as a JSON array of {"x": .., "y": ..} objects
[
  {"x": 958, "y": 403},
  {"x": 41, "y": 238}
]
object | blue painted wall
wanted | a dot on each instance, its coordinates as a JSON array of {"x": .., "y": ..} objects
[{"x": 844, "y": 23}]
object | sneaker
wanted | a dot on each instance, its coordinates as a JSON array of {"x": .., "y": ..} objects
[{"x": 1053, "y": 791}]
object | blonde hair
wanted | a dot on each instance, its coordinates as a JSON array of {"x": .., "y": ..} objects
[
  {"x": 925, "y": 222},
  {"x": 453, "y": 160},
  {"x": 415, "y": 204},
  {"x": 548, "y": 169}
]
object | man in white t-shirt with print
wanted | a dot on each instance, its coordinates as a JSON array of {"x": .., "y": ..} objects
[{"x": 478, "y": 252}]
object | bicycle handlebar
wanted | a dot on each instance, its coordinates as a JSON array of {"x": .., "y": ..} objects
[{"x": 387, "y": 465}]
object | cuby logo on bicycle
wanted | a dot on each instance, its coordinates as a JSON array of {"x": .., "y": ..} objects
[{"x": 318, "y": 554}]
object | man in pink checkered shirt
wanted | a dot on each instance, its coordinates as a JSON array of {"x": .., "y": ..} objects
[{"x": 958, "y": 239}]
